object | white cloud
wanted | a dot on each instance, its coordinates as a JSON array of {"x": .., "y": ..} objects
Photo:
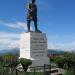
[
  {"x": 9, "y": 35},
  {"x": 18, "y": 25},
  {"x": 9, "y": 40},
  {"x": 66, "y": 46},
  {"x": 66, "y": 42}
]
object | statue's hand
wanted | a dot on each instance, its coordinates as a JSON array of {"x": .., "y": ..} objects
[{"x": 29, "y": 10}]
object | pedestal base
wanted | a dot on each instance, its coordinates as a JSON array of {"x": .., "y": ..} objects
[{"x": 34, "y": 46}]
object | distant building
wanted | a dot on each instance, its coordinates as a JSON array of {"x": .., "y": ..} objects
[{"x": 53, "y": 53}]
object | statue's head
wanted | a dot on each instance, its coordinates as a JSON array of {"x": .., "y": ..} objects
[{"x": 33, "y": 1}]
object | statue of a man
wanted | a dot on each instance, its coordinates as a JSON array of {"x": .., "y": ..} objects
[{"x": 32, "y": 15}]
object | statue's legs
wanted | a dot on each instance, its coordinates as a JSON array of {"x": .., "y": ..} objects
[
  {"x": 28, "y": 25},
  {"x": 35, "y": 25}
]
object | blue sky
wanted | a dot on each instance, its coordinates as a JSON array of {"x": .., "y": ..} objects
[{"x": 56, "y": 18}]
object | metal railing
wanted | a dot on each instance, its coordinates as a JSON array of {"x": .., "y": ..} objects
[{"x": 38, "y": 70}]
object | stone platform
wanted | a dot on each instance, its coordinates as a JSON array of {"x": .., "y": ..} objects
[{"x": 34, "y": 46}]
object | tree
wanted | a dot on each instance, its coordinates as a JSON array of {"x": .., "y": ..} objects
[
  {"x": 10, "y": 62},
  {"x": 1, "y": 61},
  {"x": 13, "y": 64},
  {"x": 25, "y": 63},
  {"x": 59, "y": 61},
  {"x": 8, "y": 58}
]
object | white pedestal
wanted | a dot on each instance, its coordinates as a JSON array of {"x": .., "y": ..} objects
[{"x": 34, "y": 46}]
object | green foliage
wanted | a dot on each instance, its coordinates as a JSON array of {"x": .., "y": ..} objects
[
  {"x": 69, "y": 72},
  {"x": 67, "y": 59},
  {"x": 8, "y": 61},
  {"x": 70, "y": 59},
  {"x": 69, "y": 56},
  {"x": 1, "y": 61},
  {"x": 13, "y": 64},
  {"x": 59, "y": 61},
  {"x": 51, "y": 59},
  {"x": 25, "y": 63},
  {"x": 8, "y": 58}
]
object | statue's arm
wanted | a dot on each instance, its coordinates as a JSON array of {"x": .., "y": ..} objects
[{"x": 28, "y": 7}]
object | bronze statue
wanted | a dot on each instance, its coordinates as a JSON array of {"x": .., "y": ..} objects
[{"x": 32, "y": 15}]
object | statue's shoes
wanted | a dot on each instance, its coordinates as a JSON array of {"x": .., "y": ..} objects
[{"x": 38, "y": 31}]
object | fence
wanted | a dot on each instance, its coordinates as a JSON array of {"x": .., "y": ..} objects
[{"x": 38, "y": 70}]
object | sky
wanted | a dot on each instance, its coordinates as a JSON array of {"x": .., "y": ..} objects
[{"x": 56, "y": 18}]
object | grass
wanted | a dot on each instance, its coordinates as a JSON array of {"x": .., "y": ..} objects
[
  {"x": 31, "y": 73},
  {"x": 69, "y": 72}
]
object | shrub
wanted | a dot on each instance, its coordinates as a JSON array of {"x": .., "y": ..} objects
[
  {"x": 59, "y": 61},
  {"x": 25, "y": 63}
]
